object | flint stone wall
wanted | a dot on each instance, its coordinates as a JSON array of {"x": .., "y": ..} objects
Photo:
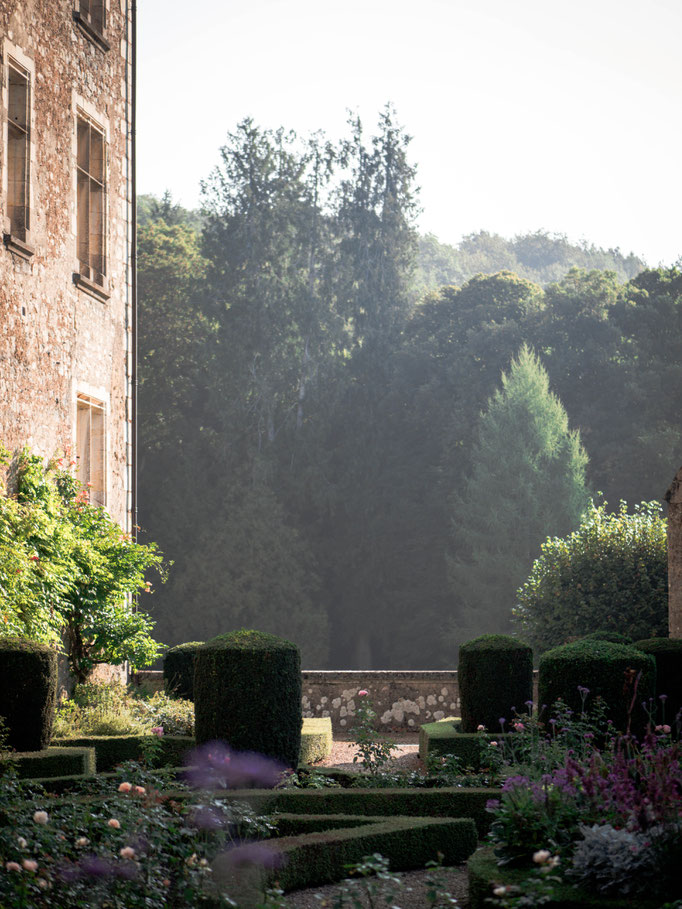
[{"x": 404, "y": 700}]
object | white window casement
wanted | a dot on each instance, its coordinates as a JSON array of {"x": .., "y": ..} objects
[
  {"x": 91, "y": 17},
  {"x": 91, "y": 205},
  {"x": 91, "y": 447},
  {"x": 17, "y": 98}
]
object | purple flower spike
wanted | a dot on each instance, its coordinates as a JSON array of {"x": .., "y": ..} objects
[
  {"x": 501, "y": 721},
  {"x": 663, "y": 697},
  {"x": 252, "y": 854},
  {"x": 214, "y": 766},
  {"x": 529, "y": 705}
]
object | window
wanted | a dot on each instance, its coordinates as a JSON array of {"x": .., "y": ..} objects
[
  {"x": 91, "y": 447},
  {"x": 92, "y": 12},
  {"x": 18, "y": 150},
  {"x": 91, "y": 17},
  {"x": 91, "y": 200}
]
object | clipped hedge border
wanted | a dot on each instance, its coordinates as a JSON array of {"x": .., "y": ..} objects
[
  {"x": 314, "y": 859},
  {"x": 448, "y": 802},
  {"x": 298, "y": 824},
  {"x": 54, "y": 762},
  {"x": 442, "y": 738},
  {"x": 316, "y": 739},
  {"x": 115, "y": 749},
  {"x": 484, "y": 872}
]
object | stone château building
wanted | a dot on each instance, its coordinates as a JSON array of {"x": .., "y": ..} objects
[{"x": 67, "y": 291}]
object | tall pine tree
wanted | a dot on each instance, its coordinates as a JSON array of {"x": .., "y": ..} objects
[{"x": 527, "y": 483}]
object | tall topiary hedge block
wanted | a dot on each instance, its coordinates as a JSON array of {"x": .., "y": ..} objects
[
  {"x": 247, "y": 692},
  {"x": 608, "y": 671},
  {"x": 668, "y": 655},
  {"x": 28, "y": 692},
  {"x": 495, "y": 673},
  {"x": 178, "y": 669}
]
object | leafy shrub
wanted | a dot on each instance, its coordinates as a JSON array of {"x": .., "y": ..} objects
[
  {"x": 495, "y": 674},
  {"x": 668, "y": 655},
  {"x": 623, "y": 677},
  {"x": 613, "y": 637},
  {"x": 68, "y": 570},
  {"x": 609, "y": 574},
  {"x": 247, "y": 691},
  {"x": 28, "y": 692},
  {"x": 123, "y": 847},
  {"x": 178, "y": 669},
  {"x": 616, "y": 861},
  {"x": 112, "y": 709}
]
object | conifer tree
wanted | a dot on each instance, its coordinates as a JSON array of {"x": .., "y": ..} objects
[{"x": 527, "y": 483}]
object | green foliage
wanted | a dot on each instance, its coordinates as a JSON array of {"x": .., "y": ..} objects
[
  {"x": 102, "y": 709},
  {"x": 28, "y": 683},
  {"x": 81, "y": 570},
  {"x": 667, "y": 652},
  {"x": 622, "y": 676},
  {"x": 178, "y": 670},
  {"x": 374, "y": 751},
  {"x": 247, "y": 690},
  {"x": 540, "y": 257},
  {"x": 527, "y": 480},
  {"x": 112, "y": 750},
  {"x": 495, "y": 674},
  {"x": 609, "y": 574}
]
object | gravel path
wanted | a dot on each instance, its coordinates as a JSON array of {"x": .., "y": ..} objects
[{"x": 412, "y": 893}]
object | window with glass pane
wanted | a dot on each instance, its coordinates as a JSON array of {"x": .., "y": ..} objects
[
  {"x": 91, "y": 448},
  {"x": 93, "y": 13},
  {"x": 91, "y": 200},
  {"x": 18, "y": 149}
]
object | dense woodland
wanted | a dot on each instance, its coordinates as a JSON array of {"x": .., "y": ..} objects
[{"x": 358, "y": 437}]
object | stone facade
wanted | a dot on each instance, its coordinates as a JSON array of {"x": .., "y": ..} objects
[
  {"x": 674, "y": 500},
  {"x": 61, "y": 334}
]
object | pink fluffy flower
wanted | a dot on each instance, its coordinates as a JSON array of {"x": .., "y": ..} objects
[
  {"x": 125, "y": 787},
  {"x": 363, "y": 693}
]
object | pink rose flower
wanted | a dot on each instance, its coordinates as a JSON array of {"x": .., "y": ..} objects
[
  {"x": 30, "y": 864},
  {"x": 13, "y": 866},
  {"x": 140, "y": 790},
  {"x": 127, "y": 852},
  {"x": 363, "y": 693},
  {"x": 157, "y": 730},
  {"x": 112, "y": 822},
  {"x": 125, "y": 787}
]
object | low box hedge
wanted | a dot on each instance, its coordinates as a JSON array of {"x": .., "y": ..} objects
[
  {"x": 314, "y": 859},
  {"x": 316, "y": 739},
  {"x": 115, "y": 749},
  {"x": 442, "y": 738},
  {"x": 484, "y": 873},
  {"x": 55, "y": 762},
  {"x": 445, "y": 803},
  {"x": 298, "y": 824}
]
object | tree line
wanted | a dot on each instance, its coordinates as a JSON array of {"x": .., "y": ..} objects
[{"x": 331, "y": 453}]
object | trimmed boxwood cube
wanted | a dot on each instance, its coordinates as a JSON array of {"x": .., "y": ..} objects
[
  {"x": 178, "y": 670},
  {"x": 28, "y": 692},
  {"x": 495, "y": 673},
  {"x": 668, "y": 655},
  {"x": 608, "y": 671},
  {"x": 247, "y": 693}
]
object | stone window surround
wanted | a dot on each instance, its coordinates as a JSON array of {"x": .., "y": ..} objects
[
  {"x": 82, "y": 21},
  {"x": 80, "y": 106},
  {"x": 22, "y": 247},
  {"x": 101, "y": 396}
]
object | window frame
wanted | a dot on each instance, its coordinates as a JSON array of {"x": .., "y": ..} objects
[
  {"x": 18, "y": 242},
  {"x": 85, "y": 275},
  {"x": 83, "y": 18},
  {"x": 98, "y": 405}
]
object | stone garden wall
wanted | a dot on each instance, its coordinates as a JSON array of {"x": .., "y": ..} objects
[{"x": 404, "y": 700}]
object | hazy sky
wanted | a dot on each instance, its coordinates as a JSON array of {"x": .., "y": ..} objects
[{"x": 525, "y": 115}]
